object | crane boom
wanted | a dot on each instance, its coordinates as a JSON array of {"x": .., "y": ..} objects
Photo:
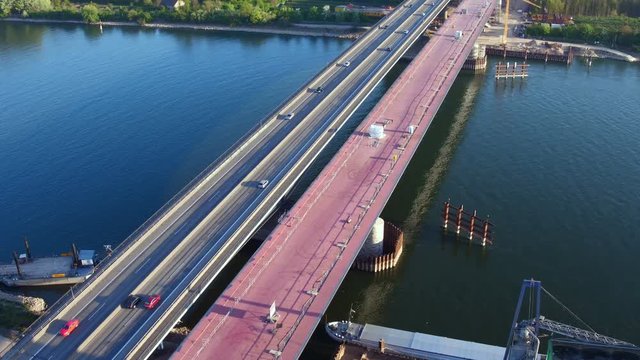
[
  {"x": 524, "y": 337},
  {"x": 506, "y": 24}
]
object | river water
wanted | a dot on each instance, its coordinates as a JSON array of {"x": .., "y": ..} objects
[{"x": 98, "y": 130}]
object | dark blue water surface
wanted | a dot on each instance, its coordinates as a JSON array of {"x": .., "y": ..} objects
[{"x": 97, "y": 131}]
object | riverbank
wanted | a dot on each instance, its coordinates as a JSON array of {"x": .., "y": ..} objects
[
  {"x": 493, "y": 36},
  {"x": 328, "y": 30},
  {"x": 17, "y": 312}
]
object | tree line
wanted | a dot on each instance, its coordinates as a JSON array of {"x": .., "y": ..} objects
[
  {"x": 228, "y": 12},
  {"x": 630, "y": 8},
  {"x": 611, "y": 31}
]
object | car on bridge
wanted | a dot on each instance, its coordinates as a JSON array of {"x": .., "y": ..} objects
[
  {"x": 402, "y": 32},
  {"x": 388, "y": 48},
  {"x": 289, "y": 116},
  {"x": 131, "y": 302},
  {"x": 152, "y": 301},
  {"x": 69, "y": 327},
  {"x": 383, "y": 27},
  {"x": 262, "y": 184},
  {"x": 318, "y": 90}
]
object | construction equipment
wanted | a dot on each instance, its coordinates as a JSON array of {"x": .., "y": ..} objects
[
  {"x": 524, "y": 337},
  {"x": 532, "y": 4},
  {"x": 505, "y": 20}
]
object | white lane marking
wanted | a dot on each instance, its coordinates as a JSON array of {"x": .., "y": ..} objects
[
  {"x": 95, "y": 312},
  {"x": 214, "y": 196},
  {"x": 180, "y": 228},
  {"x": 142, "y": 265}
]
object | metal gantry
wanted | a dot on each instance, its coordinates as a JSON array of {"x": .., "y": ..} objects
[{"x": 524, "y": 336}]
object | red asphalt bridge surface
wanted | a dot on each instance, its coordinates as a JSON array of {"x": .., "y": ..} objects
[{"x": 302, "y": 264}]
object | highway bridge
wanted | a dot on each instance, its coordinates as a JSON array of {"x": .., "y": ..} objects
[
  {"x": 275, "y": 303},
  {"x": 182, "y": 248}
]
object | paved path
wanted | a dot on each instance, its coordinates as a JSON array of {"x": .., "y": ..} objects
[{"x": 301, "y": 265}]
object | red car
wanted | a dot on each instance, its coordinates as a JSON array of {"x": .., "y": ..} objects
[
  {"x": 152, "y": 301},
  {"x": 69, "y": 327}
]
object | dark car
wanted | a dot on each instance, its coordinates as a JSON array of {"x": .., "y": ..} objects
[
  {"x": 131, "y": 302},
  {"x": 319, "y": 90}
]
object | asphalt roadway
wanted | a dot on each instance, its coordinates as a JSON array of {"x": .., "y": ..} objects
[{"x": 202, "y": 228}]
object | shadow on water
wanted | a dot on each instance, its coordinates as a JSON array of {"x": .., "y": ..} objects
[
  {"x": 16, "y": 37},
  {"x": 92, "y": 32}
]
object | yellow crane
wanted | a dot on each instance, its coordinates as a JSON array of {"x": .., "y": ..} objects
[
  {"x": 506, "y": 19},
  {"x": 532, "y": 3},
  {"x": 506, "y": 24}
]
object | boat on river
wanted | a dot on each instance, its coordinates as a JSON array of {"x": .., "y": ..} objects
[
  {"x": 64, "y": 269},
  {"x": 524, "y": 339}
]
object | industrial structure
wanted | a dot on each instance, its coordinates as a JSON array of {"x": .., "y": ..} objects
[{"x": 524, "y": 343}]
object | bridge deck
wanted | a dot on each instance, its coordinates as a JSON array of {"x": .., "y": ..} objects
[{"x": 301, "y": 265}]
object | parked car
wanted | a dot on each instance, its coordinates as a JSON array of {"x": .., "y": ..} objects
[
  {"x": 131, "y": 302},
  {"x": 69, "y": 327},
  {"x": 152, "y": 301}
]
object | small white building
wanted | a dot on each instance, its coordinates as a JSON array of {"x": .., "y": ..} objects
[{"x": 173, "y": 4}]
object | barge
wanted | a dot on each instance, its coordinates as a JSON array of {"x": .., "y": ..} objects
[
  {"x": 64, "y": 269},
  {"x": 524, "y": 338}
]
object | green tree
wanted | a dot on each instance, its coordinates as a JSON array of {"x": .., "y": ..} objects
[
  {"x": 314, "y": 13},
  {"x": 90, "y": 13},
  {"x": 586, "y": 31},
  {"x": 23, "y": 6}
]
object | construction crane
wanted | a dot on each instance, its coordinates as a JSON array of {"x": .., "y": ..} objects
[
  {"x": 506, "y": 24},
  {"x": 524, "y": 337},
  {"x": 532, "y": 3}
]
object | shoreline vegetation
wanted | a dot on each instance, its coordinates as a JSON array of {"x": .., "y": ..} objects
[
  {"x": 323, "y": 30},
  {"x": 614, "y": 31},
  {"x": 215, "y": 13}
]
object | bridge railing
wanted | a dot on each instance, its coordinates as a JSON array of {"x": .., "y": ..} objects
[{"x": 55, "y": 309}]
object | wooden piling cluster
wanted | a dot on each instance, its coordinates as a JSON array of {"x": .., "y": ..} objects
[
  {"x": 392, "y": 249},
  {"x": 466, "y": 224},
  {"x": 510, "y": 71}
]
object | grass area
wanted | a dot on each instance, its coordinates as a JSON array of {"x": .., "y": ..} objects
[{"x": 14, "y": 316}]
